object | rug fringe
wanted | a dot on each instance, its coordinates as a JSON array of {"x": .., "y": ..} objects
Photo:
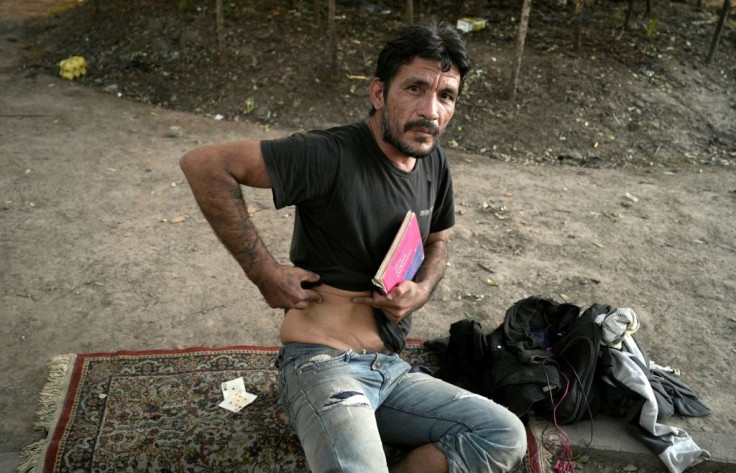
[
  {"x": 51, "y": 395},
  {"x": 544, "y": 460},
  {"x": 30, "y": 455},
  {"x": 50, "y": 401}
]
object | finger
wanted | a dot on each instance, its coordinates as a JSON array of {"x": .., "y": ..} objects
[
  {"x": 313, "y": 296},
  {"x": 300, "y": 305},
  {"x": 363, "y": 300},
  {"x": 401, "y": 289},
  {"x": 392, "y": 317},
  {"x": 310, "y": 276}
]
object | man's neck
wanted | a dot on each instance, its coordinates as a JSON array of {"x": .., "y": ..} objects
[{"x": 397, "y": 158}]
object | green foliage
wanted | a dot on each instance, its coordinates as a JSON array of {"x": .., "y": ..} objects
[{"x": 652, "y": 25}]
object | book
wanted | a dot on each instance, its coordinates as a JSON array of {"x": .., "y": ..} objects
[{"x": 403, "y": 257}]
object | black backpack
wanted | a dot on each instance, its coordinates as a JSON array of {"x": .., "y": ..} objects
[
  {"x": 541, "y": 359},
  {"x": 576, "y": 355},
  {"x": 522, "y": 367}
]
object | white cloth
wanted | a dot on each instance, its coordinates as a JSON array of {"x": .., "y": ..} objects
[{"x": 616, "y": 324}]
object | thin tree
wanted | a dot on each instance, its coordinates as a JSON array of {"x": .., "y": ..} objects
[
  {"x": 332, "y": 40},
  {"x": 719, "y": 29},
  {"x": 578, "y": 28},
  {"x": 317, "y": 5},
  {"x": 521, "y": 38},
  {"x": 410, "y": 12},
  {"x": 220, "y": 30}
]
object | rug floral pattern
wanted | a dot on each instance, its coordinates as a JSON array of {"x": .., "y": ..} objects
[{"x": 158, "y": 412}]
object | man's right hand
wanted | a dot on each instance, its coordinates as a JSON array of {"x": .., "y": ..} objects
[{"x": 281, "y": 286}]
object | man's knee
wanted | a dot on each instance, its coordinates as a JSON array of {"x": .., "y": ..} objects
[
  {"x": 497, "y": 443},
  {"x": 513, "y": 443}
]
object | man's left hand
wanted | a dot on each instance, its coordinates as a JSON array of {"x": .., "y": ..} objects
[{"x": 404, "y": 299}]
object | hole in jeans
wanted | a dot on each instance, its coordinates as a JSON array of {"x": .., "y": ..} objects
[{"x": 346, "y": 399}]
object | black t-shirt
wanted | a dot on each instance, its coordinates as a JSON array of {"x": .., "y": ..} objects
[{"x": 350, "y": 200}]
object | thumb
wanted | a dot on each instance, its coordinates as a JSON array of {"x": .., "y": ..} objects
[
  {"x": 398, "y": 292},
  {"x": 310, "y": 276}
]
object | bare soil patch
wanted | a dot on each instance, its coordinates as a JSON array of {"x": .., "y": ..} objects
[{"x": 639, "y": 96}]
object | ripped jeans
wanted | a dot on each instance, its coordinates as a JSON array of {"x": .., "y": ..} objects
[{"x": 344, "y": 405}]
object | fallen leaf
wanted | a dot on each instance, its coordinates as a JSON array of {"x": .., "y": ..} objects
[{"x": 180, "y": 218}]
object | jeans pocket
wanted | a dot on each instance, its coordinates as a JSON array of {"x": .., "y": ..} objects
[{"x": 320, "y": 362}]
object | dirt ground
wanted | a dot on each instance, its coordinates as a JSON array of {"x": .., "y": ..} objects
[
  {"x": 626, "y": 97},
  {"x": 611, "y": 179}
]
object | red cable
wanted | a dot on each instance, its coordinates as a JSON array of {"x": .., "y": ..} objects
[{"x": 563, "y": 463}]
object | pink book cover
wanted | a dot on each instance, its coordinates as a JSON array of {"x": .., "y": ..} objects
[{"x": 403, "y": 258}]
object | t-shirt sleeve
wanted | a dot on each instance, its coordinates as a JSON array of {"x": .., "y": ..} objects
[
  {"x": 443, "y": 213},
  {"x": 302, "y": 167}
]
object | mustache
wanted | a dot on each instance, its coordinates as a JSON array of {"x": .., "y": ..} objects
[{"x": 422, "y": 123}]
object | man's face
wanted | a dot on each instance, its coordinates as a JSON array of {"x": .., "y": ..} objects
[{"x": 419, "y": 105}]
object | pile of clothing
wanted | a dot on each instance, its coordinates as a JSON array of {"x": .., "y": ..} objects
[{"x": 558, "y": 361}]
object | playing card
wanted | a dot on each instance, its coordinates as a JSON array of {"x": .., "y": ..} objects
[
  {"x": 233, "y": 386},
  {"x": 238, "y": 400},
  {"x": 236, "y": 397}
]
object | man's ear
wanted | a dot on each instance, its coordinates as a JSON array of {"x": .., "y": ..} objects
[{"x": 376, "y": 91}]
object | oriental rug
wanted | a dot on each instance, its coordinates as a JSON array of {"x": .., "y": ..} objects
[{"x": 157, "y": 411}]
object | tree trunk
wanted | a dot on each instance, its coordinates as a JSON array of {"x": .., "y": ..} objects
[
  {"x": 719, "y": 29},
  {"x": 220, "y": 31},
  {"x": 578, "y": 28},
  {"x": 409, "y": 12},
  {"x": 332, "y": 40},
  {"x": 317, "y": 13},
  {"x": 516, "y": 67},
  {"x": 629, "y": 10}
]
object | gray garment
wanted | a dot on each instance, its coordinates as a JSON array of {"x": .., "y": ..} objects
[{"x": 629, "y": 367}]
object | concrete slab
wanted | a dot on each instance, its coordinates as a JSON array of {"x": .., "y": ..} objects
[{"x": 607, "y": 441}]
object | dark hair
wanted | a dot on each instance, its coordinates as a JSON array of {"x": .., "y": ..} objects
[{"x": 428, "y": 41}]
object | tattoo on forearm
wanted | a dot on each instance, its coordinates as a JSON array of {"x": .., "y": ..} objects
[
  {"x": 246, "y": 242},
  {"x": 434, "y": 265}
]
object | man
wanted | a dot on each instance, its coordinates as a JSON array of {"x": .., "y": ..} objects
[{"x": 344, "y": 386}]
